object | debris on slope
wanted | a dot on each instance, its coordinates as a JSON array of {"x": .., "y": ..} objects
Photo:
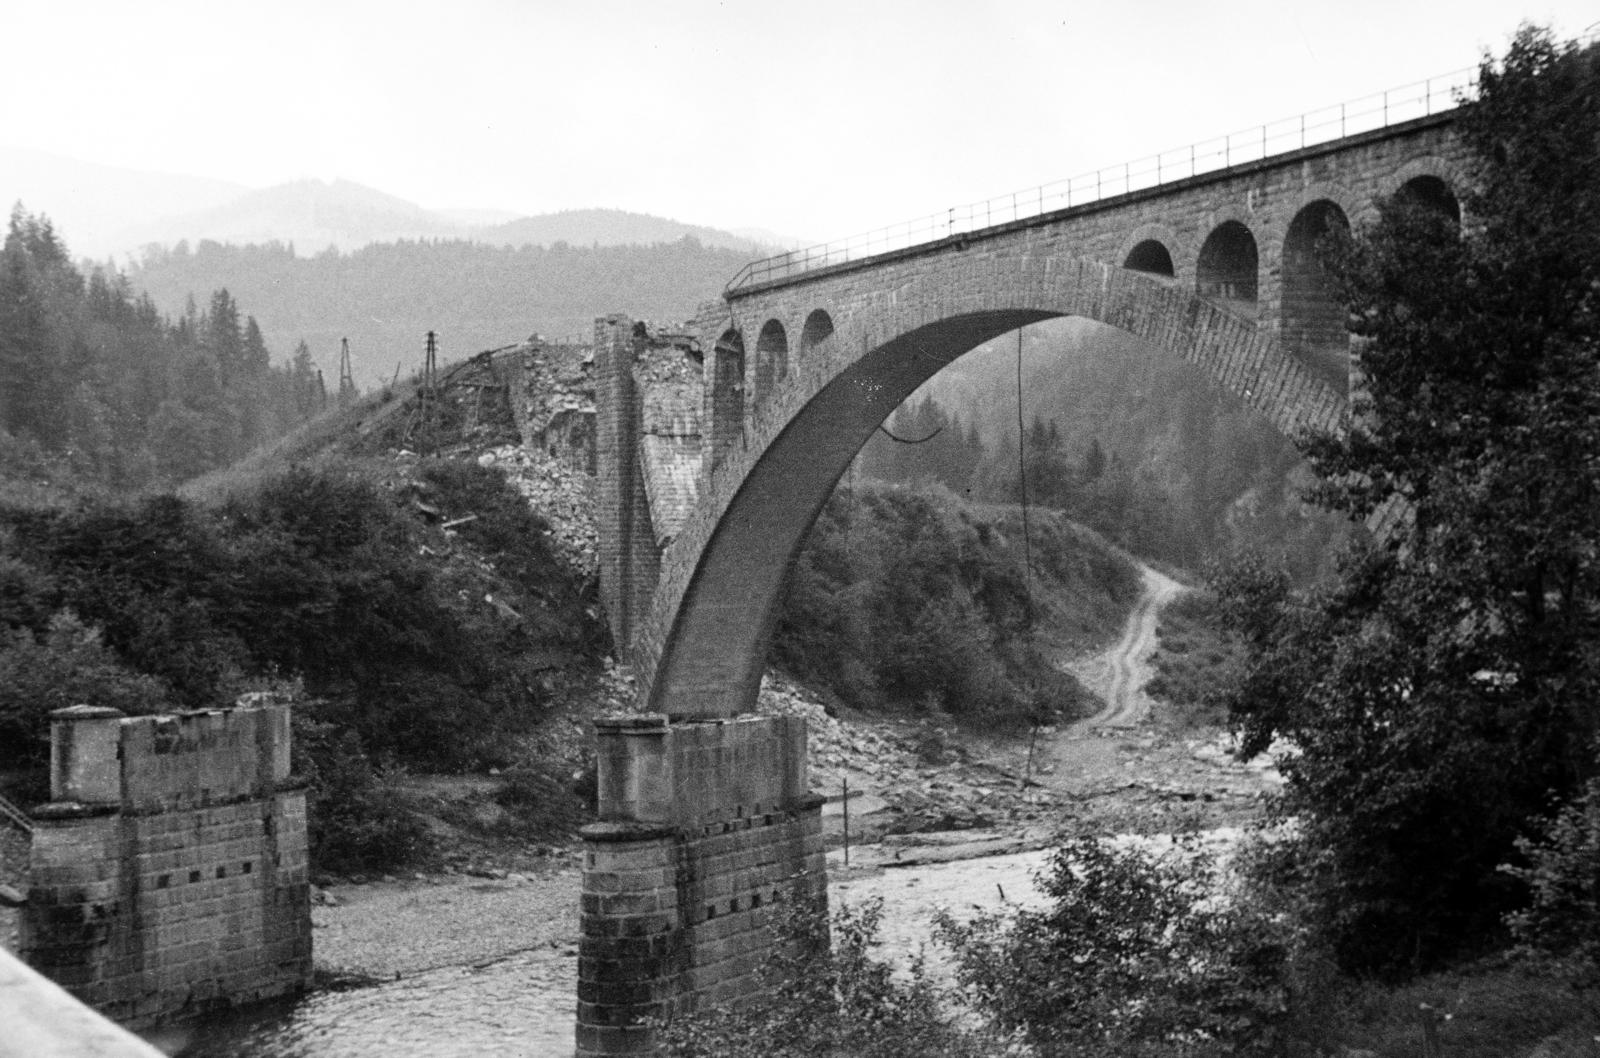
[{"x": 562, "y": 495}]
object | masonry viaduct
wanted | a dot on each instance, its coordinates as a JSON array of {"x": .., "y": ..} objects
[
  {"x": 717, "y": 447},
  {"x": 709, "y": 485}
]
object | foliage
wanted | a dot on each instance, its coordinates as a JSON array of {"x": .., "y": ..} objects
[
  {"x": 1193, "y": 659},
  {"x": 107, "y": 390},
  {"x": 317, "y": 574},
  {"x": 357, "y": 816},
  {"x": 1135, "y": 955},
  {"x": 67, "y": 665},
  {"x": 823, "y": 999},
  {"x": 1562, "y": 872},
  {"x": 912, "y": 598},
  {"x": 1444, "y": 686}
]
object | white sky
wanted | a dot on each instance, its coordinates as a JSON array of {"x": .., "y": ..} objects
[{"x": 814, "y": 118}]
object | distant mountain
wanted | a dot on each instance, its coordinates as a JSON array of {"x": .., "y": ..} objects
[
  {"x": 90, "y": 204},
  {"x": 311, "y": 215},
  {"x": 104, "y": 212},
  {"x": 765, "y": 237},
  {"x": 611, "y": 227}
]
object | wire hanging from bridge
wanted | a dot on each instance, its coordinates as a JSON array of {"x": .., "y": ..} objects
[{"x": 909, "y": 440}]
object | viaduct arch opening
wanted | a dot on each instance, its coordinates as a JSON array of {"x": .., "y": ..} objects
[
  {"x": 727, "y": 382},
  {"x": 772, "y": 358},
  {"x": 1312, "y": 316},
  {"x": 1431, "y": 193},
  {"x": 1152, "y": 258},
  {"x": 1228, "y": 267}
]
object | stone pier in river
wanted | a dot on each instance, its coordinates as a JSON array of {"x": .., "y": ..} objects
[
  {"x": 706, "y": 829},
  {"x": 169, "y": 871}
]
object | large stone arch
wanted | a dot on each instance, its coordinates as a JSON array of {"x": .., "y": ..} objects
[{"x": 703, "y": 648}]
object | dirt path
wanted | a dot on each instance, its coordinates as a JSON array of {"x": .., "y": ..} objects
[{"x": 1119, "y": 675}]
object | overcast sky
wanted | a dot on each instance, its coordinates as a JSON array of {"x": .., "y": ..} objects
[{"x": 813, "y": 118}]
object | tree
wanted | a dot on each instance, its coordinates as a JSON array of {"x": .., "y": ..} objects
[{"x": 1447, "y": 684}]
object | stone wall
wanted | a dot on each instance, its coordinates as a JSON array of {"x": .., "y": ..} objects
[
  {"x": 169, "y": 872},
  {"x": 706, "y": 830}
]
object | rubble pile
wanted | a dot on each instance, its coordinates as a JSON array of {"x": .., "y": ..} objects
[
  {"x": 924, "y": 776},
  {"x": 558, "y": 492}
]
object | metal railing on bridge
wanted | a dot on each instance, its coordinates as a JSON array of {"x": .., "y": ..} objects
[
  {"x": 1395, "y": 106},
  {"x": 12, "y": 815}
]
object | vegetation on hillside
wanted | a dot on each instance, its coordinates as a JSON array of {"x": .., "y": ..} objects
[
  {"x": 1442, "y": 689},
  {"x": 915, "y": 599},
  {"x": 407, "y": 645},
  {"x": 97, "y": 385}
]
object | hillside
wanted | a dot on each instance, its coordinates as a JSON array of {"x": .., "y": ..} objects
[{"x": 385, "y": 297}]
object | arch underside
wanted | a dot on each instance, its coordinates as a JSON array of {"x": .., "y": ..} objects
[{"x": 704, "y": 649}]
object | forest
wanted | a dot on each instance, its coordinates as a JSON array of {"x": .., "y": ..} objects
[{"x": 96, "y": 384}]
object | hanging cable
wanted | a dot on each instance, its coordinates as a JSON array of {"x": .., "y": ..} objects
[
  {"x": 1022, "y": 482},
  {"x": 908, "y": 440},
  {"x": 1027, "y": 559}
]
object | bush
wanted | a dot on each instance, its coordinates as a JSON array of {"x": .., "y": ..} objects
[
  {"x": 913, "y": 599},
  {"x": 68, "y": 665},
  {"x": 823, "y": 998},
  {"x": 356, "y": 814},
  {"x": 1135, "y": 955},
  {"x": 1562, "y": 872}
]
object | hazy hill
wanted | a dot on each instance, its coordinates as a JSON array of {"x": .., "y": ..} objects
[
  {"x": 311, "y": 215},
  {"x": 386, "y": 296},
  {"x": 612, "y": 227},
  {"x": 105, "y": 212},
  {"x": 92, "y": 206}
]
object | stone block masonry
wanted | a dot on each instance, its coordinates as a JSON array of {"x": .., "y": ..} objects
[
  {"x": 169, "y": 872},
  {"x": 706, "y": 830}
]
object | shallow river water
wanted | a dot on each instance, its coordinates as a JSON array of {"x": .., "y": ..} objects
[{"x": 523, "y": 1006}]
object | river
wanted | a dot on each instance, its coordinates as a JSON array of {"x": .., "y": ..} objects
[{"x": 522, "y": 1005}]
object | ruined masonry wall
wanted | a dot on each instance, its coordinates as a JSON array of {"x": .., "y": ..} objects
[
  {"x": 706, "y": 830},
  {"x": 169, "y": 872}
]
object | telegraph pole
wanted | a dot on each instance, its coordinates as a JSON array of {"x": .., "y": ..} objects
[{"x": 347, "y": 381}]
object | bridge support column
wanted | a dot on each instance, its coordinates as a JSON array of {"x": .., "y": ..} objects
[
  {"x": 705, "y": 829},
  {"x": 630, "y": 563}
]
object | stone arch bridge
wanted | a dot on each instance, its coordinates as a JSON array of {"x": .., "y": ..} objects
[{"x": 718, "y": 447}]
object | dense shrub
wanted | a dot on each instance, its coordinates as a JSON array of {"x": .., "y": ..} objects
[
  {"x": 1562, "y": 872},
  {"x": 68, "y": 665},
  {"x": 320, "y": 575},
  {"x": 1134, "y": 955}
]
